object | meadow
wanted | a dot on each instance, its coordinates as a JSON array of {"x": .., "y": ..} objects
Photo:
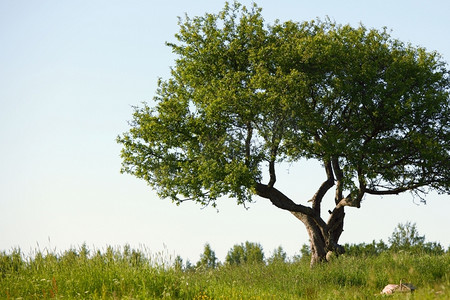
[{"x": 125, "y": 273}]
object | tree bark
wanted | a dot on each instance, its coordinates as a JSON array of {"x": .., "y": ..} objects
[
  {"x": 316, "y": 238},
  {"x": 323, "y": 240}
]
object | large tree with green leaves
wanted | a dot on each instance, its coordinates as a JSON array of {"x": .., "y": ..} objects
[{"x": 245, "y": 96}]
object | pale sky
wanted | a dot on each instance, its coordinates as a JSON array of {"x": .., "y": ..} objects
[{"x": 70, "y": 72}]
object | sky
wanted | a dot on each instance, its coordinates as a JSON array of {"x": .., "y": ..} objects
[{"x": 70, "y": 72}]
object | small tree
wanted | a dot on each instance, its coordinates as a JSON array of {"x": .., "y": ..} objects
[
  {"x": 244, "y": 96},
  {"x": 245, "y": 253},
  {"x": 208, "y": 259},
  {"x": 305, "y": 254},
  {"x": 178, "y": 263},
  {"x": 405, "y": 237},
  {"x": 236, "y": 255},
  {"x": 278, "y": 256}
]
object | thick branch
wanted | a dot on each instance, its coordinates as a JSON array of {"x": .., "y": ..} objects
[
  {"x": 339, "y": 178},
  {"x": 273, "y": 155},
  {"x": 350, "y": 200},
  {"x": 323, "y": 189},
  {"x": 273, "y": 176},
  {"x": 280, "y": 200}
]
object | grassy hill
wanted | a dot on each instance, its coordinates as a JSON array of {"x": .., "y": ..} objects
[{"x": 125, "y": 273}]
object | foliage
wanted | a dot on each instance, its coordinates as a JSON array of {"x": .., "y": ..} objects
[
  {"x": 178, "y": 264},
  {"x": 363, "y": 249},
  {"x": 278, "y": 256},
  {"x": 120, "y": 274},
  {"x": 244, "y": 95},
  {"x": 245, "y": 253},
  {"x": 305, "y": 250},
  {"x": 208, "y": 259},
  {"x": 406, "y": 236}
]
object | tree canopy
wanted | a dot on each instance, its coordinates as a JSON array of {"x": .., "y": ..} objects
[{"x": 244, "y": 96}]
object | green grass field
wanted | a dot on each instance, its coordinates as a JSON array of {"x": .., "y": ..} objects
[{"x": 124, "y": 273}]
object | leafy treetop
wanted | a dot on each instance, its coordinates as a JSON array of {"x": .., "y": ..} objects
[{"x": 244, "y": 96}]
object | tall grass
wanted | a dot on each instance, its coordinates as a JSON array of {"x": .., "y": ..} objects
[{"x": 124, "y": 273}]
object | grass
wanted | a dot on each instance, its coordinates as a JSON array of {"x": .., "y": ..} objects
[{"x": 137, "y": 274}]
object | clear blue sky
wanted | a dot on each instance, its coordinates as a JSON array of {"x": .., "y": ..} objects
[{"x": 70, "y": 72}]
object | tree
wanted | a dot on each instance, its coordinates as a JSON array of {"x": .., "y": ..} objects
[
  {"x": 208, "y": 259},
  {"x": 373, "y": 248},
  {"x": 244, "y": 97},
  {"x": 406, "y": 236},
  {"x": 245, "y": 253},
  {"x": 278, "y": 256}
]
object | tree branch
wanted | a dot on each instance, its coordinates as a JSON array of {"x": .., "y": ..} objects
[
  {"x": 352, "y": 199},
  {"x": 339, "y": 177},
  {"x": 273, "y": 177},
  {"x": 281, "y": 201},
  {"x": 248, "y": 141},
  {"x": 324, "y": 187},
  {"x": 273, "y": 155},
  {"x": 395, "y": 191}
]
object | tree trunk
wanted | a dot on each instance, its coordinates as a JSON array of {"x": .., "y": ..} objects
[
  {"x": 324, "y": 237},
  {"x": 317, "y": 242}
]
